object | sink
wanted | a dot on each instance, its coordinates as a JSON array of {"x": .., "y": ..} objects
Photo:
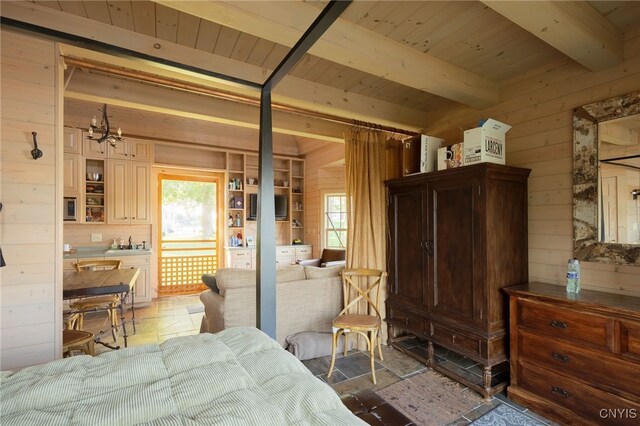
[{"x": 112, "y": 251}]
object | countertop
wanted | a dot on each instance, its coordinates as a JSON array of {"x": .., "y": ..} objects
[{"x": 86, "y": 252}]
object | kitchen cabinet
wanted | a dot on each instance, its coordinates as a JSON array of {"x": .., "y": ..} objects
[
  {"x": 575, "y": 358},
  {"x": 129, "y": 192},
  {"x": 93, "y": 149},
  {"x": 143, "y": 283},
  {"x": 72, "y": 175},
  {"x": 131, "y": 149},
  {"x": 72, "y": 140},
  {"x": 457, "y": 237}
]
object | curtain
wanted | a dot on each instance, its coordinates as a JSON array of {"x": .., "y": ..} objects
[{"x": 366, "y": 168}]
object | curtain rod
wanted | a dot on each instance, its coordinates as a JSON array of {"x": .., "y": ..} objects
[{"x": 225, "y": 95}]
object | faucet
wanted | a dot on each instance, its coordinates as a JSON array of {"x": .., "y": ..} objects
[{"x": 130, "y": 244}]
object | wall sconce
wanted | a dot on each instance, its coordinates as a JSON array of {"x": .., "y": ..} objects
[{"x": 104, "y": 131}]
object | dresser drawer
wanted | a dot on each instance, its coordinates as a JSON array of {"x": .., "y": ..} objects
[
  {"x": 581, "y": 399},
  {"x": 239, "y": 254},
  {"x": 407, "y": 320},
  {"x": 456, "y": 340},
  {"x": 630, "y": 339},
  {"x": 566, "y": 324},
  {"x": 610, "y": 373}
]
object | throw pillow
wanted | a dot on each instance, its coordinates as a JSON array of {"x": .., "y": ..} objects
[
  {"x": 311, "y": 344},
  {"x": 290, "y": 273},
  {"x": 210, "y": 281},
  {"x": 315, "y": 272}
]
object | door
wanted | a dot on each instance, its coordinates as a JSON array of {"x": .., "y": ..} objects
[
  {"x": 456, "y": 250},
  {"x": 191, "y": 217},
  {"x": 118, "y": 192}
]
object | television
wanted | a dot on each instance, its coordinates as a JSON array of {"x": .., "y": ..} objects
[{"x": 281, "y": 203}]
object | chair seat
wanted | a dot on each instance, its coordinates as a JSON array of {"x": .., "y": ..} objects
[
  {"x": 356, "y": 320},
  {"x": 75, "y": 337},
  {"x": 92, "y": 302}
]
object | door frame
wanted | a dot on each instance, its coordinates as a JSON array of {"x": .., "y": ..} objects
[{"x": 183, "y": 173}]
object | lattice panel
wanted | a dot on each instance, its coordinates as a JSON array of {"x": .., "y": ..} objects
[{"x": 184, "y": 274}]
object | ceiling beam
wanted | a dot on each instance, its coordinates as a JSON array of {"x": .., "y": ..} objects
[
  {"x": 348, "y": 44},
  {"x": 574, "y": 28},
  {"x": 144, "y": 97},
  {"x": 292, "y": 90}
]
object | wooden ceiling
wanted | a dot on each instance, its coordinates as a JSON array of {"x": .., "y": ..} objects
[{"x": 388, "y": 62}]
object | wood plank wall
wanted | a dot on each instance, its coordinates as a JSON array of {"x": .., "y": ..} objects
[
  {"x": 28, "y": 192},
  {"x": 539, "y": 106},
  {"x": 321, "y": 175}
]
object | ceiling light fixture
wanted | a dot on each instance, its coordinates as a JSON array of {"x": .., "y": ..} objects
[{"x": 104, "y": 131}]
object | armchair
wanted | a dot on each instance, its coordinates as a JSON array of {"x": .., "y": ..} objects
[{"x": 329, "y": 257}]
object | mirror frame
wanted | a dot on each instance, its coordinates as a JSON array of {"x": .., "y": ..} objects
[{"x": 586, "y": 245}]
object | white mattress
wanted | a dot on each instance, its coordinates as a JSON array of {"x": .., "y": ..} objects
[{"x": 236, "y": 377}]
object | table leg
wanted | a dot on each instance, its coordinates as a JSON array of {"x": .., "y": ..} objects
[
  {"x": 123, "y": 301},
  {"x": 133, "y": 310}
]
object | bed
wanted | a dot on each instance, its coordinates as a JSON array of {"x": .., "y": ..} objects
[{"x": 236, "y": 377}]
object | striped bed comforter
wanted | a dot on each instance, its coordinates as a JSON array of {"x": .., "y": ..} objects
[{"x": 236, "y": 377}]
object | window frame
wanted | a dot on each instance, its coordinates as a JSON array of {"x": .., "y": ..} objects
[{"x": 325, "y": 226}]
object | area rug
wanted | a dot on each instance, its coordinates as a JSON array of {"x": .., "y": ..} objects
[
  {"x": 195, "y": 308},
  {"x": 505, "y": 415},
  {"x": 430, "y": 399}
]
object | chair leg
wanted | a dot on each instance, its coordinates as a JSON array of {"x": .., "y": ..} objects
[
  {"x": 113, "y": 317},
  {"x": 80, "y": 322},
  {"x": 346, "y": 343},
  {"x": 334, "y": 348},
  {"x": 372, "y": 348},
  {"x": 379, "y": 346}
]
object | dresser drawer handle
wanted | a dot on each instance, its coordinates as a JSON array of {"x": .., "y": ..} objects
[
  {"x": 453, "y": 338},
  {"x": 558, "y": 324},
  {"x": 558, "y": 391},
  {"x": 560, "y": 357}
]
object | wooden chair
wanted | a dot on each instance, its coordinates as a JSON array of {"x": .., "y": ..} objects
[
  {"x": 358, "y": 287},
  {"x": 109, "y": 302},
  {"x": 77, "y": 340}
]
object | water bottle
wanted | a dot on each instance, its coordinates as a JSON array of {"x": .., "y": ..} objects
[{"x": 573, "y": 276}]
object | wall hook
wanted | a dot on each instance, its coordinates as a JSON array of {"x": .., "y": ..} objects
[{"x": 35, "y": 152}]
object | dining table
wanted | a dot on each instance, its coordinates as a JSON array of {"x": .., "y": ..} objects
[{"x": 82, "y": 284}]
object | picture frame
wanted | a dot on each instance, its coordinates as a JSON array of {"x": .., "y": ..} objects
[{"x": 250, "y": 241}]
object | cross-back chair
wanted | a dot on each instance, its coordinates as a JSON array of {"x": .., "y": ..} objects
[
  {"x": 360, "y": 290},
  {"x": 109, "y": 302}
]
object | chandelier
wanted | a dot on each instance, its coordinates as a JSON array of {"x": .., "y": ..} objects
[{"x": 103, "y": 133}]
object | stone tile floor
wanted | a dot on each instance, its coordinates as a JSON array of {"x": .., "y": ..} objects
[{"x": 169, "y": 317}]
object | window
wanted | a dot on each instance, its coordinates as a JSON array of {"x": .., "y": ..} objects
[{"x": 335, "y": 221}]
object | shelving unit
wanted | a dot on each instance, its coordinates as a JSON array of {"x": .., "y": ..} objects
[
  {"x": 94, "y": 191},
  {"x": 242, "y": 171}
]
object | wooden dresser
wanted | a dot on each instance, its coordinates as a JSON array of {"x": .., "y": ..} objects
[
  {"x": 575, "y": 358},
  {"x": 456, "y": 237}
]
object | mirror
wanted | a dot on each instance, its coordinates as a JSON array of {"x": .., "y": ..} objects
[{"x": 604, "y": 179}]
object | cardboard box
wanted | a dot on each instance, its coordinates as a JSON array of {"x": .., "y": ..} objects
[
  {"x": 451, "y": 156},
  {"x": 485, "y": 143},
  {"x": 419, "y": 154}
]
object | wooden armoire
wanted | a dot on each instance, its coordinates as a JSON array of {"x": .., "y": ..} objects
[{"x": 456, "y": 238}]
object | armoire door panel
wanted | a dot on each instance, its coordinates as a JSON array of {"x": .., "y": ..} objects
[
  {"x": 453, "y": 228},
  {"x": 408, "y": 267}
]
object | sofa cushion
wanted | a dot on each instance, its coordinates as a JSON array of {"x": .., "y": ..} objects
[
  {"x": 312, "y": 272},
  {"x": 210, "y": 281},
  {"x": 290, "y": 273},
  {"x": 227, "y": 278}
]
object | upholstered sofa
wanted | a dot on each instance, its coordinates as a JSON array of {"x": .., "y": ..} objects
[{"x": 308, "y": 298}]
